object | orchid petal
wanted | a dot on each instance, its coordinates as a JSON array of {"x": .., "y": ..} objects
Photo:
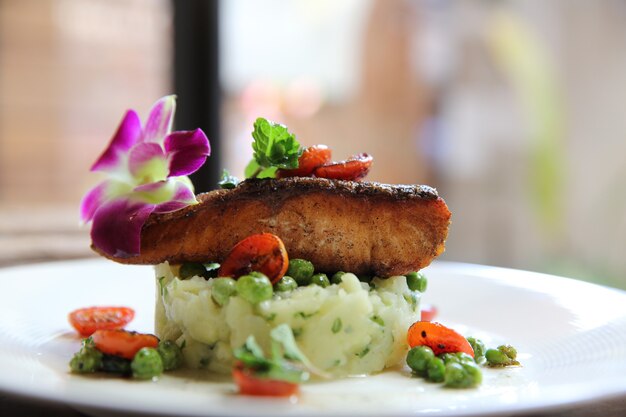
[
  {"x": 186, "y": 151},
  {"x": 92, "y": 200},
  {"x": 173, "y": 190},
  {"x": 98, "y": 195},
  {"x": 160, "y": 120},
  {"x": 127, "y": 134},
  {"x": 183, "y": 197},
  {"x": 117, "y": 224},
  {"x": 147, "y": 163}
]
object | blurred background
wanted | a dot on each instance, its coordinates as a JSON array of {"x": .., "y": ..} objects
[{"x": 513, "y": 110}]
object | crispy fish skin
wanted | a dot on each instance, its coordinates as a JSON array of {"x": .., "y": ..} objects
[{"x": 359, "y": 227}]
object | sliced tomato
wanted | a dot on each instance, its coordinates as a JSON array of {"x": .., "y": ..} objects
[
  {"x": 429, "y": 312},
  {"x": 88, "y": 320},
  {"x": 263, "y": 252},
  {"x": 122, "y": 342},
  {"x": 352, "y": 169},
  {"x": 438, "y": 337},
  {"x": 251, "y": 385},
  {"x": 312, "y": 157}
]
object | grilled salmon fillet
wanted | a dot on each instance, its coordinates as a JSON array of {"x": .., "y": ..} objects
[{"x": 360, "y": 227}]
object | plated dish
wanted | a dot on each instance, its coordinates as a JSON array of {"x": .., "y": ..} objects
[
  {"x": 302, "y": 269},
  {"x": 571, "y": 338}
]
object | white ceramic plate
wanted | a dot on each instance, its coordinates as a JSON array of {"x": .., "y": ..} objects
[{"x": 571, "y": 337}]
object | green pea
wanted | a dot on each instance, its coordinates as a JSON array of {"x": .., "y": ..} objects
[
  {"x": 418, "y": 358},
  {"x": 462, "y": 375},
  {"x": 115, "y": 365},
  {"x": 321, "y": 280},
  {"x": 171, "y": 354},
  {"x": 505, "y": 355},
  {"x": 223, "y": 289},
  {"x": 416, "y": 281},
  {"x": 301, "y": 270},
  {"x": 509, "y": 351},
  {"x": 464, "y": 357},
  {"x": 435, "y": 370},
  {"x": 286, "y": 283},
  {"x": 496, "y": 358},
  {"x": 254, "y": 288},
  {"x": 147, "y": 364},
  {"x": 191, "y": 269},
  {"x": 86, "y": 360},
  {"x": 457, "y": 357},
  {"x": 479, "y": 349},
  {"x": 336, "y": 278},
  {"x": 449, "y": 357}
]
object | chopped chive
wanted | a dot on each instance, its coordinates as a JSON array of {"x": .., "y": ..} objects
[
  {"x": 378, "y": 320},
  {"x": 304, "y": 315},
  {"x": 337, "y": 325},
  {"x": 363, "y": 352}
]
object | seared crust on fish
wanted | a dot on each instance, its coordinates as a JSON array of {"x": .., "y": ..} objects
[{"x": 359, "y": 227}]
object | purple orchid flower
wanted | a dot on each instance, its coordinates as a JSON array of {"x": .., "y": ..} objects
[{"x": 147, "y": 172}]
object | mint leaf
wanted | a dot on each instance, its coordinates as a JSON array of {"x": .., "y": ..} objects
[
  {"x": 282, "y": 337},
  {"x": 286, "y": 363},
  {"x": 286, "y": 371},
  {"x": 252, "y": 169},
  {"x": 274, "y": 147},
  {"x": 227, "y": 181},
  {"x": 251, "y": 355}
]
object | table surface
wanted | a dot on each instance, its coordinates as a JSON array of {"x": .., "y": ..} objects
[
  {"x": 11, "y": 406},
  {"x": 29, "y": 235}
]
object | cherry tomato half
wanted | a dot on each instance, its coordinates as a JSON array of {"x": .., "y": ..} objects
[
  {"x": 88, "y": 320},
  {"x": 312, "y": 157},
  {"x": 263, "y": 252},
  {"x": 429, "y": 312},
  {"x": 122, "y": 342},
  {"x": 251, "y": 385},
  {"x": 352, "y": 169},
  {"x": 438, "y": 337}
]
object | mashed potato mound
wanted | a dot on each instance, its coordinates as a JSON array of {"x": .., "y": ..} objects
[{"x": 350, "y": 328}]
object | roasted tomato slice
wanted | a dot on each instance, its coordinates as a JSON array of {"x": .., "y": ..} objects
[
  {"x": 264, "y": 253},
  {"x": 352, "y": 169},
  {"x": 429, "y": 312},
  {"x": 311, "y": 158},
  {"x": 122, "y": 342},
  {"x": 251, "y": 385},
  {"x": 438, "y": 337},
  {"x": 88, "y": 320}
]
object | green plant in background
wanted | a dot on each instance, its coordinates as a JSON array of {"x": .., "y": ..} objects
[
  {"x": 523, "y": 59},
  {"x": 526, "y": 62}
]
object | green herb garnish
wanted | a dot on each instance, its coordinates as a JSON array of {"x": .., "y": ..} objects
[
  {"x": 280, "y": 366},
  {"x": 286, "y": 362},
  {"x": 274, "y": 147},
  {"x": 228, "y": 181},
  {"x": 337, "y": 325}
]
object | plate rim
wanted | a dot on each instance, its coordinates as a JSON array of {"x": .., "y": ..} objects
[{"x": 474, "y": 269}]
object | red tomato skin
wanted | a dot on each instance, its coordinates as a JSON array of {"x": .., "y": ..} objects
[
  {"x": 250, "y": 385},
  {"x": 429, "y": 312},
  {"x": 352, "y": 169},
  {"x": 89, "y": 319},
  {"x": 262, "y": 252},
  {"x": 122, "y": 342},
  {"x": 438, "y": 337},
  {"x": 312, "y": 157}
]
